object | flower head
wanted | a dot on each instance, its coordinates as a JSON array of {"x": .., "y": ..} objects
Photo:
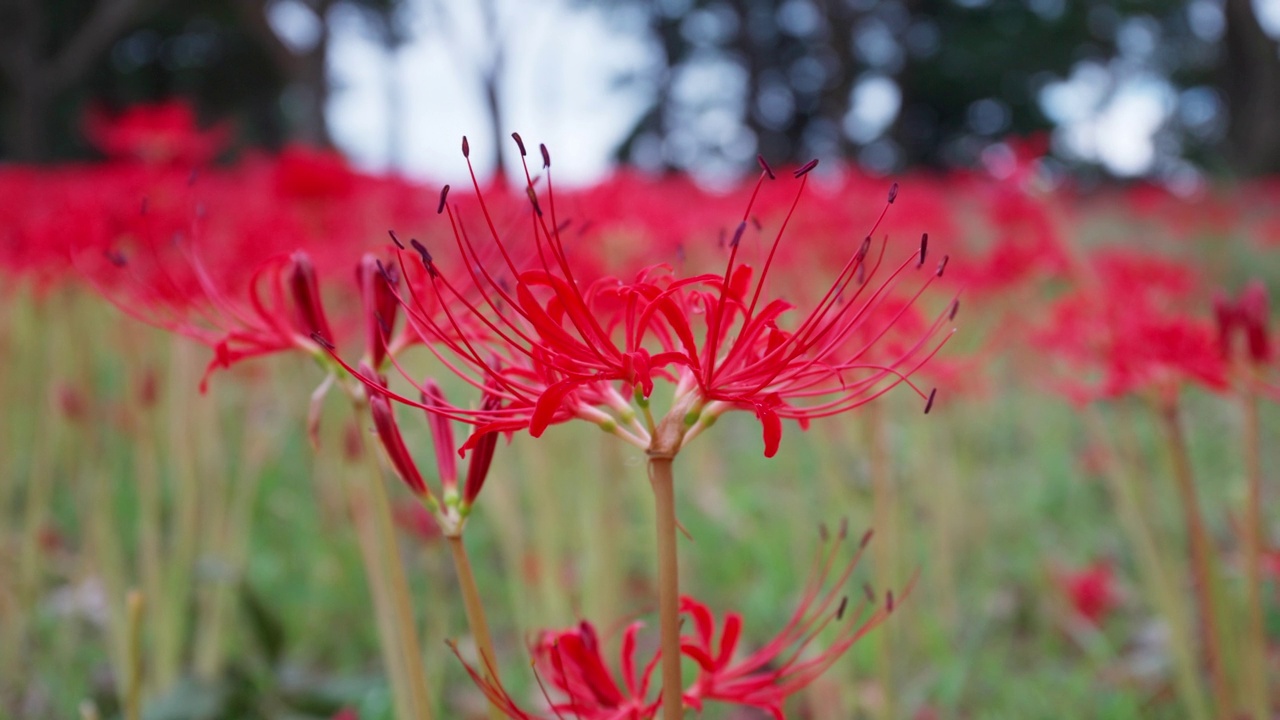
[
  {"x": 560, "y": 344},
  {"x": 578, "y": 682}
]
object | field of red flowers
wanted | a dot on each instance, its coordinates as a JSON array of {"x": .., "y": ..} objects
[{"x": 284, "y": 439}]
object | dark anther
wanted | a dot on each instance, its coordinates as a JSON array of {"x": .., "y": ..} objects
[
  {"x": 321, "y": 340},
  {"x": 382, "y": 270},
  {"x": 519, "y": 143},
  {"x": 844, "y": 605},
  {"x": 115, "y": 257},
  {"x": 426, "y": 258},
  {"x": 533, "y": 198},
  {"x": 860, "y": 275},
  {"x": 924, "y": 248},
  {"x": 466, "y": 147},
  {"x": 866, "y": 248},
  {"x": 823, "y": 532},
  {"x": 756, "y": 221},
  {"x": 866, "y": 538},
  {"x": 382, "y": 324},
  {"x": 942, "y": 266},
  {"x": 888, "y": 600},
  {"x": 737, "y": 235},
  {"x": 444, "y": 194},
  {"x": 804, "y": 169},
  {"x": 955, "y": 308},
  {"x": 395, "y": 239},
  {"x": 893, "y": 193},
  {"x": 869, "y": 591},
  {"x": 546, "y": 156},
  {"x": 844, "y": 528},
  {"x": 928, "y": 405},
  {"x": 564, "y": 225},
  {"x": 765, "y": 166}
]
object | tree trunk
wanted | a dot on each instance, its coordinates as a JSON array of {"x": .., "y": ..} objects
[{"x": 1251, "y": 73}]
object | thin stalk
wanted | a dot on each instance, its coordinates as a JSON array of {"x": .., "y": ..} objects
[
  {"x": 186, "y": 440},
  {"x": 476, "y": 618},
  {"x": 233, "y": 542},
  {"x": 133, "y": 687},
  {"x": 1153, "y": 569},
  {"x": 375, "y": 576},
  {"x": 1258, "y": 697},
  {"x": 884, "y": 504},
  {"x": 1201, "y": 557},
  {"x": 663, "y": 483},
  {"x": 398, "y": 585}
]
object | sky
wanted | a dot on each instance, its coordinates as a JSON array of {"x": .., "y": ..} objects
[{"x": 407, "y": 113}]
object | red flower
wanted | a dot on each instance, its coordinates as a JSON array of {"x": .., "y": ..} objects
[
  {"x": 558, "y": 346},
  {"x": 1122, "y": 332},
  {"x": 160, "y": 133},
  {"x": 579, "y": 683},
  {"x": 451, "y": 508},
  {"x": 1091, "y": 591}
]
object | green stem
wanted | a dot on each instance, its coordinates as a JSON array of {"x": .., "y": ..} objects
[
  {"x": 375, "y": 576},
  {"x": 1256, "y": 667},
  {"x": 1154, "y": 572},
  {"x": 1201, "y": 557},
  {"x": 476, "y": 618},
  {"x": 886, "y": 547},
  {"x": 401, "y": 606},
  {"x": 133, "y": 687},
  {"x": 660, "y": 477}
]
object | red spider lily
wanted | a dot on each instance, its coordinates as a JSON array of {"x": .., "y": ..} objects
[
  {"x": 1121, "y": 332},
  {"x": 160, "y": 133},
  {"x": 452, "y": 508},
  {"x": 559, "y": 347},
  {"x": 1091, "y": 591},
  {"x": 1246, "y": 317},
  {"x": 581, "y": 685},
  {"x": 283, "y": 311}
]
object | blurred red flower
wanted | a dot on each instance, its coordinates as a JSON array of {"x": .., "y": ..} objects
[
  {"x": 1091, "y": 591},
  {"x": 158, "y": 134}
]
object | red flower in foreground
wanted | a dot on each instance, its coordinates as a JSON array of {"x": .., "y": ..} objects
[
  {"x": 559, "y": 346},
  {"x": 578, "y": 683}
]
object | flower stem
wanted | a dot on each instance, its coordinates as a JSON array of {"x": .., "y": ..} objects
[
  {"x": 884, "y": 506},
  {"x": 410, "y": 654},
  {"x": 1258, "y": 697},
  {"x": 663, "y": 483},
  {"x": 1201, "y": 560},
  {"x": 475, "y": 614},
  {"x": 1153, "y": 569},
  {"x": 133, "y": 686}
]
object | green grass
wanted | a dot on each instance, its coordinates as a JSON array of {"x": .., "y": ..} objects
[{"x": 989, "y": 492}]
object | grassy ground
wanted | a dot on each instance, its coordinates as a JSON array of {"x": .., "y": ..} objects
[{"x": 239, "y": 536}]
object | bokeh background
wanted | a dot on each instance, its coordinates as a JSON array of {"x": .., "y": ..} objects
[{"x": 1166, "y": 90}]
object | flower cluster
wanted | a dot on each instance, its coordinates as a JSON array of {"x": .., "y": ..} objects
[
  {"x": 577, "y": 681},
  {"x": 555, "y": 343}
]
